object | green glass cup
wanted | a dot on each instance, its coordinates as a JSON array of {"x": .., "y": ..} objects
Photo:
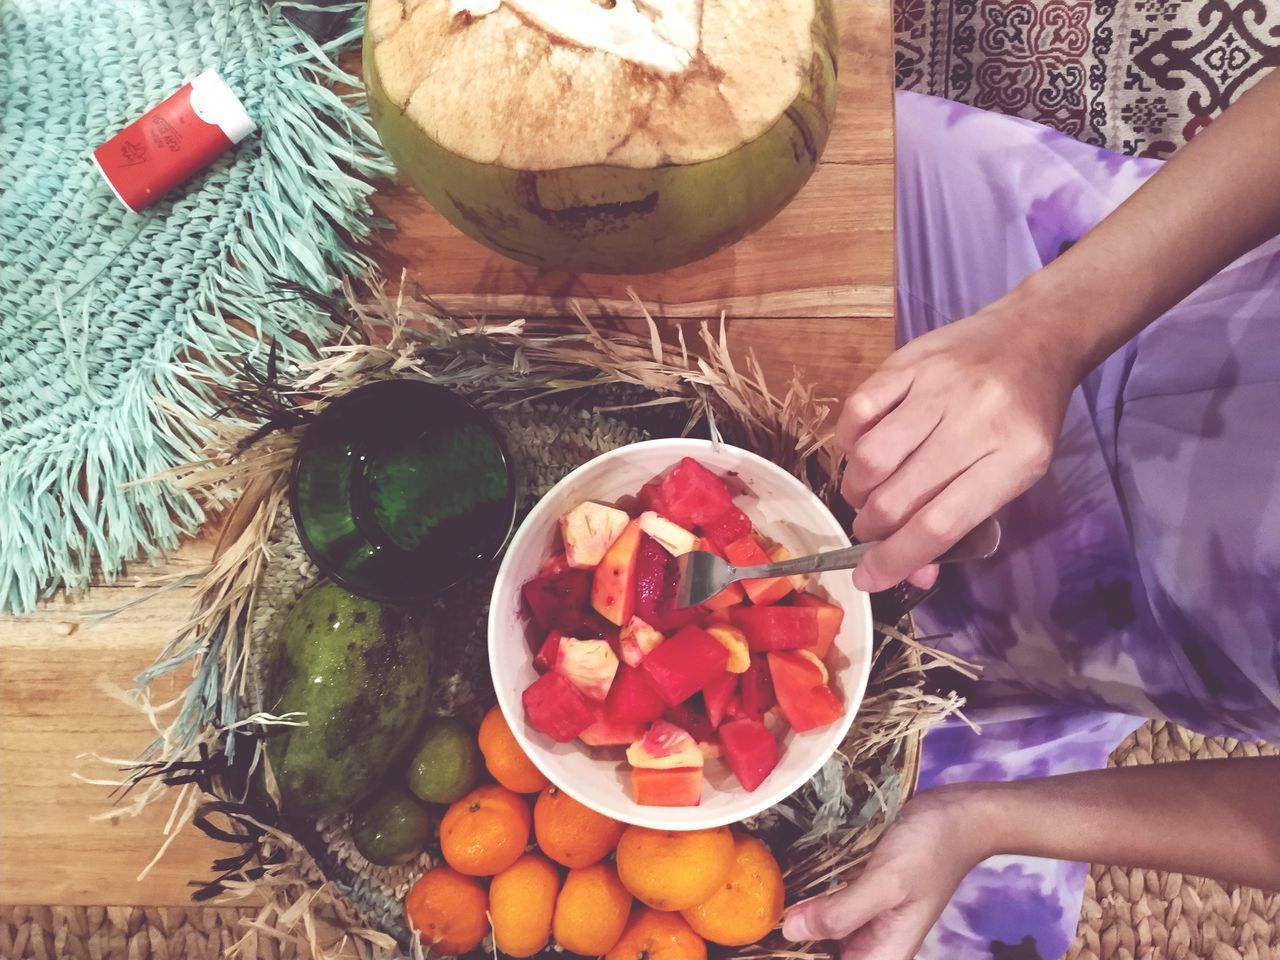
[{"x": 401, "y": 489}]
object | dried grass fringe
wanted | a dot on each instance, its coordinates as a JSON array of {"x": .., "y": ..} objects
[{"x": 499, "y": 366}]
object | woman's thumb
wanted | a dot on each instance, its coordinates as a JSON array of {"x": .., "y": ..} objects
[{"x": 836, "y": 915}]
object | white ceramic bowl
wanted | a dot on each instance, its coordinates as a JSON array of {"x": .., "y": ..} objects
[{"x": 784, "y": 510}]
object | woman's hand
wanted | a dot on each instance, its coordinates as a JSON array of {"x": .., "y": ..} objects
[
  {"x": 917, "y": 865},
  {"x": 1210, "y": 818},
  {"x": 963, "y": 419},
  {"x": 951, "y": 428}
]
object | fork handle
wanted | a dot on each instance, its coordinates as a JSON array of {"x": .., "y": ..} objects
[{"x": 845, "y": 558}]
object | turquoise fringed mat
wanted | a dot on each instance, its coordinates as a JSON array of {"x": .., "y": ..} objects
[{"x": 111, "y": 321}]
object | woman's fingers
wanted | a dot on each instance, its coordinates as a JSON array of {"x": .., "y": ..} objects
[
  {"x": 878, "y": 454},
  {"x": 925, "y": 577},
  {"x": 868, "y": 404},
  {"x": 836, "y": 916},
  {"x": 967, "y": 500},
  {"x": 894, "y": 935},
  {"x": 945, "y": 454}
]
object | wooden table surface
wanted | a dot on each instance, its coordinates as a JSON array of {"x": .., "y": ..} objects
[{"x": 830, "y": 315}]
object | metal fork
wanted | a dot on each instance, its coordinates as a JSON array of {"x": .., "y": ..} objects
[{"x": 703, "y": 574}]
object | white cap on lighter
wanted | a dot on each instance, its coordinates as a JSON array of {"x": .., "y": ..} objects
[{"x": 214, "y": 103}]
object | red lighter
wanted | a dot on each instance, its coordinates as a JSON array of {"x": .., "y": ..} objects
[{"x": 173, "y": 141}]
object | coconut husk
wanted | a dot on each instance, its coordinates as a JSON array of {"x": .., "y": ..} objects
[{"x": 615, "y": 386}]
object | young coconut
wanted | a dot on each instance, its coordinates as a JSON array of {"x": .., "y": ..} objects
[{"x": 611, "y": 136}]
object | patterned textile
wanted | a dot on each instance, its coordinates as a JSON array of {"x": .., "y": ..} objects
[
  {"x": 1137, "y": 578},
  {"x": 1139, "y": 77}
]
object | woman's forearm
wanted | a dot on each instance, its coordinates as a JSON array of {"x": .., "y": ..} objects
[
  {"x": 1212, "y": 818},
  {"x": 1214, "y": 201}
]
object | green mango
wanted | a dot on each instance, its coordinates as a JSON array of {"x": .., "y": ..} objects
[
  {"x": 360, "y": 673},
  {"x": 390, "y": 826},
  {"x": 607, "y": 218}
]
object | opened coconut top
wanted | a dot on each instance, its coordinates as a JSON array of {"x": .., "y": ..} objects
[{"x": 545, "y": 84}]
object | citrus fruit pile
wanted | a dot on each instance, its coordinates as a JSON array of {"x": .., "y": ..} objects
[
  {"x": 622, "y": 665},
  {"x": 530, "y": 865}
]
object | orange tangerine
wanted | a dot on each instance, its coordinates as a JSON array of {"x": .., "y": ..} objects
[
  {"x": 655, "y": 935},
  {"x": 503, "y": 756},
  {"x": 674, "y": 869},
  {"x": 448, "y": 911},
  {"x": 592, "y": 910},
  {"x": 570, "y": 833},
  {"x": 748, "y": 906},
  {"x": 522, "y": 902},
  {"x": 485, "y": 832}
]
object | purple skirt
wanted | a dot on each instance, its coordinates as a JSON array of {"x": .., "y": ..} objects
[{"x": 1140, "y": 577}]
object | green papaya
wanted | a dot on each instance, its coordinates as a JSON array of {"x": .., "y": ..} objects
[{"x": 360, "y": 673}]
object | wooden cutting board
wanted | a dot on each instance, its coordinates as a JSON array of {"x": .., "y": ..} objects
[
  {"x": 813, "y": 290},
  {"x": 825, "y": 264}
]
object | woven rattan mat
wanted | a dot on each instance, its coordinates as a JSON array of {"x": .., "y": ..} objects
[{"x": 1128, "y": 914}]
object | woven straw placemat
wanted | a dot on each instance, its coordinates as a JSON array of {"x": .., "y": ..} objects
[
  {"x": 1144, "y": 914},
  {"x": 1127, "y": 915}
]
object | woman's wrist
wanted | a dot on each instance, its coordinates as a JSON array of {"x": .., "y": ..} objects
[
  {"x": 1060, "y": 316},
  {"x": 973, "y": 815}
]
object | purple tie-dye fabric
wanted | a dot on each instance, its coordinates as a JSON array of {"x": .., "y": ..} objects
[{"x": 1141, "y": 577}]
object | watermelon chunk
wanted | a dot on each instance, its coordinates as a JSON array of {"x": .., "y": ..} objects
[
  {"x": 806, "y": 701},
  {"x": 632, "y": 698},
  {"x": 685, "y": 664},
  {"x": 717, "y": 695},
  {"x": 555, "y": 600},
  {"x": 830, "y": 618},
  {"x": 608, "y": 732},
  {"x": 651, "y": 497},
  {"x": 692, "y": 495},
  {"x": 756, "y": 697},
  {"x": 556, "y": 707},
  {"x": 675, "y": 618},
  {"x": 613, "y": 592},
  {"x": 694, "y": 721},
  {"x": 750, "y": 750},
  {"x": 586, "y": 624},
  {"x": 748, "y": 552},
  {"x": 548, "y": 653},
  {"x": 728, "y": 527},
  {"x": 657, "y": 576},
  {"x": 777, "y": 628},
  {"x": 681, "y": 787}
]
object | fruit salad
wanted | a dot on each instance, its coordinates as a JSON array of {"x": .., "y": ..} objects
[{"x": 622, "y": 667}]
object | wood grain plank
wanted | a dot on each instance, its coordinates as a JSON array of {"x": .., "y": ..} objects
[
  {"x": 53, "y": 709},
  {"x": 833, "y": 256},
  {"x": 829, "y": 253},
  {"x": 826, "y": 263}
]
